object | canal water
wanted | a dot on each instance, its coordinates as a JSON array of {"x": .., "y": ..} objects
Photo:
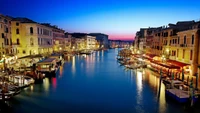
[{"x": 96, "y": 84}]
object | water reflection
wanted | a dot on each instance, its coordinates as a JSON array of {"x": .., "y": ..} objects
[
  {"x": 46, "y": 84},
  {"x": 153, "y": 81},
  {"x": 73, "y": 65},
  {"x": 60, "y": 71},
  {"x": 31, "y": 87},
  {"x": 139, "y": 86},
  {"x": 54, "y": 83}
]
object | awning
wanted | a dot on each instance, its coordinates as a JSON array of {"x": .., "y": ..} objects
[
  {"x": 170, "y": 66},
  {"x": 149, "y": 56},
  {"x": 176, "y": 63}
]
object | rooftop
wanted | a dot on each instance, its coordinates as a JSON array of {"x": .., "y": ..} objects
[{"x": 23, "y": 20}]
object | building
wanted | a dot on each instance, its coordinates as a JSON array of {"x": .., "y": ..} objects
[
  {"x": 6, "y": 47},
  {"x": 102, "y": 39},
  {"x": 58, "y": 37},
  {"x": 90, "y": 42},
  {"x": 68, "y": 42},
  {"x": 31, "y": 37}
]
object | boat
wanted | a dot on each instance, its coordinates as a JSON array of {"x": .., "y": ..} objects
[
  {"x": 48, "y": 67},
  {"x": 9, "y": 94},
  {"x": 180, "y": 96},
  {"x": 87, "y": 52},
  {"x": 59, "y": 58},
  {"x": 20, "y": 80}
]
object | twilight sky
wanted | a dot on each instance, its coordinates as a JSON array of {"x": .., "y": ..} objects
[{"x": 120, "y": 19}]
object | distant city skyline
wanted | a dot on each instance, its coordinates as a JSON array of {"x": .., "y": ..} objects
[{"x": 119, "y": 19}]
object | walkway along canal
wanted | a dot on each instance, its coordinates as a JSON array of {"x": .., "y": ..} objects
[{"x": 96, "y": 83}]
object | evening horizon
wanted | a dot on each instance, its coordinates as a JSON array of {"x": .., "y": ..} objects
[{"x": 120, "y": 19}]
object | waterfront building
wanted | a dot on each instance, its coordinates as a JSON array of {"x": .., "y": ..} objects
[
  {"x": 90, "y": 42},
  {"x": 80, "y": 44},
  {"x": 140, "y": 41},
  {"x": 6, "y": 47},
  {"x": 31, "y": 37},
  {"x": 176, "y": 45},
  {"x": 102, "y": 39},
  {"x": 188, "y": 50},
  {"x": 68, "y": 42},
  {"x": 58, "y": 37}
]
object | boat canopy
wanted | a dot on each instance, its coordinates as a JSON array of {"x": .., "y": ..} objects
[{"x": 47, "y": 61}]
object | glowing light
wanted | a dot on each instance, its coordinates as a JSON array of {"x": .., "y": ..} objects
[
  {"x": 31, "y": 87},
  {"x": 73, "y": 64},
  {"x": 54, "y": 82},
  {"x": 46, "y": 84}
]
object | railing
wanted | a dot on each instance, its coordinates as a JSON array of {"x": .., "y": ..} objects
[{"x": 186, "y": 45}]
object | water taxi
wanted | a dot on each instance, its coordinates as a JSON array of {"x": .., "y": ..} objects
[{"x": 47, "y": 66}]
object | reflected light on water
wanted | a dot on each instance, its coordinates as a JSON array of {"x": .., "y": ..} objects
[
  {"x": 46, "y": 84},
  {"x": 139, "y": 86},
  {"x": 54, "y": 83},
  {"x": 139, "y": 80},
  {"x": 61, "y": 71},
  {"x": 73, "y": 64},
  {"x": 31, "y": 87},
  {"x": 154, "y": 81}
]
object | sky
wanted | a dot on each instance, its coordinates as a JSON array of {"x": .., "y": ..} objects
[{"x": 120, "y": 19}]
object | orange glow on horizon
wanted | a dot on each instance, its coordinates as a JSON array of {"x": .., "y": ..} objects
[{"x": 122, "y": 36}]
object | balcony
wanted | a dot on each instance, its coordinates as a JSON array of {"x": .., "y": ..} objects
[
  {"x": 174, "y": 45},
  {"x": 183, "y": 45}
]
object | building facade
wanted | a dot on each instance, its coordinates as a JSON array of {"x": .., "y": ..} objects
[
  {"x": 6, "y": 47},
  {"x": 102, "y": 39},
  {"x": 31, "y": 38}
]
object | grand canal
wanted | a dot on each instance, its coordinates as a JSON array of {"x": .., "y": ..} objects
[{"x": 96, "y": 84}]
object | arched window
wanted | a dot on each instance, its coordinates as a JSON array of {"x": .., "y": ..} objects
[
  {"x": 184, "y": 40},
  {"x": 31, "y": 41},
  {"x": 31, "y": 30},
  {"x": 192, "y": 39},
  {"x": 17, "y": 31},
  {"x": 18, "y": 41}
]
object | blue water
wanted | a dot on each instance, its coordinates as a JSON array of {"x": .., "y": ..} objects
[{"x": 96, "y": 84}]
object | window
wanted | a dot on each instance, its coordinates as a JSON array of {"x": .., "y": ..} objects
[
  {"x": 6, "y": 21},
  {"x": 177, "y": 52},
  {"x": 2, "y": 34},
  {"x": 7, "y": 42},
  {"x": 178, "y": 39},
  {"x": 192, "y": 39},
  {"x": 191, "y": 52},
  {"x": 17, "y": 24},
  {"x": 17, "y": 31},
  {"x": 31, "y": 30},
  {"x": 24, "y": 51},
  {"x": 18, "y": 41},
  {"x": 6, "y": 29},
  {"x": 184, "y": 39},
  {"x": 38, "y": 30},
  {"x": 183, "y": 53}
]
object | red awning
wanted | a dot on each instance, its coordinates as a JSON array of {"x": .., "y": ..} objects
[{"x": 174, "y": 62}]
